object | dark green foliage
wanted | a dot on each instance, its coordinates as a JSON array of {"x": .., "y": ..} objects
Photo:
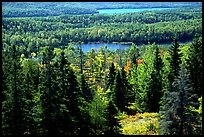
[
  {"x": 111, "y": 77},
  {"x": 31, "y": 94},
  {"x": 129, "y": 95},
  {"x": 155, "y": 90},
  {"x": 120, "y": 91},
  {"x": 112, "y": 121},
  {"x": 62, "y": 87},
  {"x": 52, "y": 90},
  {"x": 175, "y": 61},
  {"x": 176, "y": 117},
  {"x": 48, "y": 95},
  {"x": 87, "y": 97},
  {"x": 13, "y": 102},
  {"x": 194, "y": 65},
  {"x": 87, "y": 92}
]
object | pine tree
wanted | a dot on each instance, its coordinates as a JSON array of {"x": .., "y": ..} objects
[{"x": 176, "y": 116}]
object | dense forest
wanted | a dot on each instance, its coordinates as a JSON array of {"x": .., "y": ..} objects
[
  {"x": 42, "y": 9},
  {"x": 52, "y": 87}
]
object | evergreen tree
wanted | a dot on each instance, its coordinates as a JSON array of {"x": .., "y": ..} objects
[
  {"x": 13, "y": 104},
  {"x": 155, "y": 90},
  {"x": 176, "y": 116},
  {"x": 48, "y": 95},
  {"x": 64, "y": 117},
  {"x": 6, "y": 91},
  {"x": 175, "y": 61},
  {"x": 75, "y": 102},
  {"x": 87, "y": 97},
  {"x": 111, "y": 79},
  {"x": 134, "y": 54},
  {"x": 112, "y": 121},
  {"x": 120, "y": 95},
  {"x": 31, "y": 95},
  {"x": 129, "y": 95},
  {"x": 194, "y": 65},
  {"x": 87, "y": 92}
]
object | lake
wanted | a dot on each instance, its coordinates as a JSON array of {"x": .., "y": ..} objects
[
  {"x": 96, "y": 46},
  {"x": 114, "y": 11}
]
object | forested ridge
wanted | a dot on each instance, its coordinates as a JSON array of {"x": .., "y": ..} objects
[
  {"x": 43, "y": 9},
  {"x": 52, "y": 87}
]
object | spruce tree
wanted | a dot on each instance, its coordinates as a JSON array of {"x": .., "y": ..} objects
[
  {"x": 129, "y": 95},
  {"x": 120, "y": 95},
  {"x": 111, "y": 79},
  {"x": 176, "y": 116},
  {"x": 112, "y": 121},
  {"x": 87, "y": 92},
  {"x": 48, "y": 95},
  {"x": 175, "y": 61},
  {"x": 87, "y": 97},
  {"x": 75, "y": 102},
  {"x": 194, "y": 65},
  {"x": 64, "y": 117},
  {"x": 31, "y": 95},
  {"x": 155, "y": 90},
  {"x": 13, "y": 104}
]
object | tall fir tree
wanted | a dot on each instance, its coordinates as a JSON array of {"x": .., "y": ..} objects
[
  {"x": 129, "y": 95},
  {"x": 75, "y": 102},
  {"x": 112, "y": 121},
  {"x": 13, "y": 104},
  {"x": 29, "y": 75},
  {"x": 87, "y": 92},
  {"x": 194, "y": 65},
  {"x": 175, "y": 61},
  {"x": 64, "y": 117},
  {"x": 111, "y": 79},
  {"x": 6, "y": 90},
  {"x": 87, "y": 97},
  {"x": 120, "y": 95},
  {"x": 154, "y": 93},
  {"x": 48, "y": 95}
]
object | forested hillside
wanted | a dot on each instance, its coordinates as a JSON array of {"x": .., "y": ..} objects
[
  {"x": 40, "y": 9},
  {"x": 52, "y": 87}
]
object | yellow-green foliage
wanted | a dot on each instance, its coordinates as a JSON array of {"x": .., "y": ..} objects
[
  {"x": 200, "y": 107},
  {"x": 140, "y": 124}
]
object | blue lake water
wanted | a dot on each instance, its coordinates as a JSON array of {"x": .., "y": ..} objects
[
  {"x": 113, "y": 11},
  {"x": 97, "y": 46}
]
